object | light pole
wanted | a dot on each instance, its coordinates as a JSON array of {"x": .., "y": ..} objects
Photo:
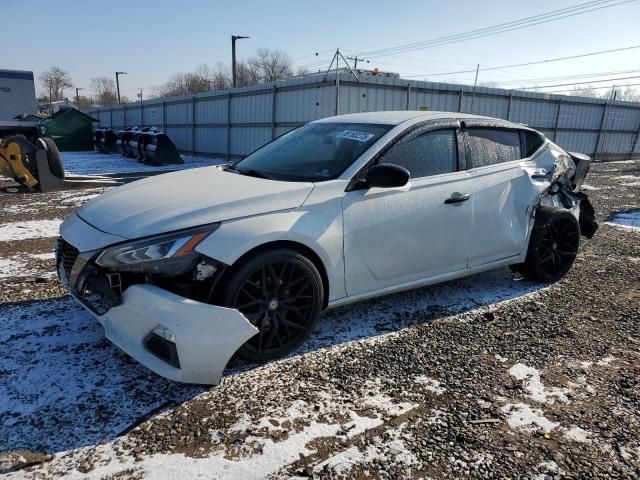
[
  {"x": 78, "y": 96},
  {"x": 233, "y": 57},
  {"x": 118, "y": 83}
]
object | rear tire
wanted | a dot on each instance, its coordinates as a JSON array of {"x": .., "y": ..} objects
[
  {"x": 553, "y": 246},
  {"x": 281, "y": 293}
]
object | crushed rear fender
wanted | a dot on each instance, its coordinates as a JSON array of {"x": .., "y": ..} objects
[{"x": 567, "y": 178}]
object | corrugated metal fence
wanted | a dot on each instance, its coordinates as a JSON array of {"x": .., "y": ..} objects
[{"x": 235, "y": 122}]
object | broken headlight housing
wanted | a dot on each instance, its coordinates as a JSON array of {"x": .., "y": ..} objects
[{"x": 169, "y": 254}]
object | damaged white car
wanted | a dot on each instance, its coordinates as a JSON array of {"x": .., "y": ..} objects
[{"x": 184, "y": 270}]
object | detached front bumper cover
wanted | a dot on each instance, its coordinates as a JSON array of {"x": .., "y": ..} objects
[{"x": 205, "y": 336}]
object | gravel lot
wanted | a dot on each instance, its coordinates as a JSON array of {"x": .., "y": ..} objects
[{"x": 486, "y": 377}]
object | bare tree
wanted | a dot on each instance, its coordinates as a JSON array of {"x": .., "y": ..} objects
[
  {"x": 105, "y": 89},
  {"x": 270, "y": 65},
  {"x": 586, "y": 91},
  {"x": 629, "y": 94},
  {"x": 302, "y": 70},
  {"x": 55, "y": 80}
]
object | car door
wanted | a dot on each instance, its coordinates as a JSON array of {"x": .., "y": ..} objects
[
  {"x": 394, "y": 236},
  {"x": 503, "y": 187}
]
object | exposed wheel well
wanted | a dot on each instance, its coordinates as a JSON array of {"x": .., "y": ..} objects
[{"x": 298, "y": 247}]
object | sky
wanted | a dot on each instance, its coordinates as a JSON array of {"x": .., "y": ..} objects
[{"x": 153, "y": 39}]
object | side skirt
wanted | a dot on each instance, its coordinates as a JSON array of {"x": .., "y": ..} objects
[{"x": 424, "y": 282}]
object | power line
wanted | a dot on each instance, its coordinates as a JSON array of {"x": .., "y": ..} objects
[
  {"x": 486, "y": 29},
  {"x": 500, "y": 28},
  {"x": 577, "y": 83},
  {"x": 538, "y": 62},
  {"x": 596, "y": 88},
  {"x": 568, "y": 77}
]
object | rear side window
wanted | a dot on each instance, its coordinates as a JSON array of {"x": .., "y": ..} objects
[
  {"x": 431, "y": 153},
  {"x": 531, "y": 141},
  {"x": 490, "y": 146}
]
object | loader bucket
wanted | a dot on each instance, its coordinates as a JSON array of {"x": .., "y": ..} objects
[
  {"x": 108, "y": 142},
  {"x": 131, "y": 147},
  {"x": 159, "y": 149},
  {"x": 98, "y": 135},
  {"x": 122, "y": 141},
  {"x": 35, "y": 166}
]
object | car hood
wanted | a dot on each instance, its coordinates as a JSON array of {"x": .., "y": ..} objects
[{"x": 188, "y": 198}]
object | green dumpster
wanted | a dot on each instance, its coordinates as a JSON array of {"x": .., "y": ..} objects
[{"x": 71, "y": 129}]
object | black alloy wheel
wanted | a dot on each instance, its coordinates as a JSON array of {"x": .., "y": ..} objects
[
  {"x": 553, "y": 246},
  {"x": 281, "y": 293}
]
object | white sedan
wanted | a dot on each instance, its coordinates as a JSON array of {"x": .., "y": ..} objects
[{"x": 184, "y": 270}]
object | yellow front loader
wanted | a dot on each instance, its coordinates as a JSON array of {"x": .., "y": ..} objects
[{"x": 37, "y": 166}]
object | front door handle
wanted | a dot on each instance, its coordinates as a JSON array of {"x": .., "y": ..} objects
[{"x": 458, "y": 198}]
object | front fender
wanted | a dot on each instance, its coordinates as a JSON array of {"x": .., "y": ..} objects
[{"x": 318, "y": 228}]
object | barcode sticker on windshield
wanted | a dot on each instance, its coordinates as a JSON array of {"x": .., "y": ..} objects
[{"x": 357, "y": 136}]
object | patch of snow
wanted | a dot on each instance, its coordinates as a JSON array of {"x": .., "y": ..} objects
[
  {"x": 605, "y": 361},
  {"x": 10, "y": 268},
  {"x": 16, "y": 267},
  {"x": 500, "y": 358},
  {"x": 586, "y": 365},
  {"x": 42, "y": 256},
  {"x": 430, "y": 384},
  {"x": 343, "y": 462},
  {"x": 619, "y": 161},
  {"x": 270, "y": 457},
  {"x": 95, "y": 163},
  {"x": 29, "y": 229},
  {"x": 520, "y": 415},
  {"x": 533, "y": 385},
  {"x": 629, "y": 220},
  {"x": 590, "y": 188},
  {"x": 577, "y": 434}
]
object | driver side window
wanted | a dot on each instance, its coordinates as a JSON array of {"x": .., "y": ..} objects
[{"x": 431, "y": 153}]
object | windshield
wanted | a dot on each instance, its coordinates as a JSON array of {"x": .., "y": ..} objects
[{"x": 315, "y": 152}]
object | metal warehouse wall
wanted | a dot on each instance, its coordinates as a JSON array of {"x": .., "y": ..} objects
[{"x": 235, "y": 122}]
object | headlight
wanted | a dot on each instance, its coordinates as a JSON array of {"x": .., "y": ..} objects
[{"x": 170, "y": 254}]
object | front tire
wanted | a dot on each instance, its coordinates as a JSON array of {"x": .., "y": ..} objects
[
  {"x": 281, "y": 293},
  {"x": 553, "y": 246}
]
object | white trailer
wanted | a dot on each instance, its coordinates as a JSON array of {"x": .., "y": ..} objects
[{"x": 17, "y": 93}]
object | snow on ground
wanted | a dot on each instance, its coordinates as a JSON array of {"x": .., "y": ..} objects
[
  {"x": 18, "y": 266},
  {"x": 629, "y": 220},
  {"x": 534, "y": 387},
  {"x": 95, "y": 163},
  {"x": 64, "y": 386},
  {"x": 521, "y": 415},
  {"x": 29, "y": 229}
]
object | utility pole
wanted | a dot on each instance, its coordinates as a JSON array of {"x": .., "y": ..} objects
[
  {"x": 140, "y": 94},
  {"x": 78, "y": 96},
  {"x": 357, "y": 59},
  {"x": 473, "y": 93},
  {"x": 118, "y": 83},
  {"x": 233, "y": 57}
]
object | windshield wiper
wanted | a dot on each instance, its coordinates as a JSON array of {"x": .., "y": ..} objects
[{"x": 254, "y": 173}]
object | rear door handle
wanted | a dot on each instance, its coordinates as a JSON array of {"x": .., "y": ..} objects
[
  {"x": 540, "y": 175},
  {"x": 458, "y": 198}
]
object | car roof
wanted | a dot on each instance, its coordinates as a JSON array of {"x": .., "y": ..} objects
[{"x": 398, "y": 117}]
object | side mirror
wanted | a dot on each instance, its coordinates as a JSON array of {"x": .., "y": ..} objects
[{"x": 387, "y": 175}]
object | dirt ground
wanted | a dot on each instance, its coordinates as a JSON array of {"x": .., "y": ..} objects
[{"x": 486, "y": 377}]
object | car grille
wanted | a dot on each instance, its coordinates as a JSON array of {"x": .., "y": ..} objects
[{"x": 66, "y": 255}]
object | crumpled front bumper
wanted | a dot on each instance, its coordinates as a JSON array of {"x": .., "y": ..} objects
[{"x": 205, "y": 336}]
